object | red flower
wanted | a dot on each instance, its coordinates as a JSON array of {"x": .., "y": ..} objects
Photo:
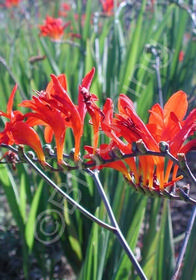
[
  {"x": 65, "y": 8},
  {"x": 75, "y": 114},
  {"x": 53, "y": 28},
  {"x": 108, "y": 6},
  {"x": 54, "y": 109},
  {"x": 18, "y": 132},
  {"x": 165, "y": 124},
  {"x": 181, "y": 56},
  {"x": 93, "y": 110},
  {"x": 12, "y": 3},
  {"x": 44, "y": 114}
]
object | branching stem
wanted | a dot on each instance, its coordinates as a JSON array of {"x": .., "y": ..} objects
[{"x": 118, "y": 233}]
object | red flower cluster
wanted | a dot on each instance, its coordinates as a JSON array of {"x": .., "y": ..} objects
[
  {"x": 54, "y": 109},
  {"x": 12, "y": 3},
  {"x": 65, "y": 9},
  {"x": 17, "y": 131},
  {"x": 165, "y": 124},
  {"x": 53, "y": 28}
]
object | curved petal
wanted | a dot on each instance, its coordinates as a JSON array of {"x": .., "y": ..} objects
[
  {"x": 85, "y": 86},
  {"x": 125, "y": 104},
  {"x": 25, "y": 135},
  {"x": 10, "y": 102},
  {"x": 87, "y": 80},
  {"x": 50, "y": 87},
  {"x": 59, "y": 90},
  {"x": 48, "y": 134},
  {"x": 81, "y": 105},
  {"x": 108, "y": 116},
  {"x": 156, "y": 115},
  {"x": 191, "y": 145},
  {"x": 178, "y": 104},
  {"x": 188, "y": 127},
  {"x": 47, "y": 115}
]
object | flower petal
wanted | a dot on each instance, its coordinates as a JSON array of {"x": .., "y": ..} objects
[
  {"x": 25, "y": 135},
  {"x": 10, "y": 102},
  {"x": 86, "y": 82},
  {"x": 50, "y": 87},
  {"x": 189, "y": 126},
  {"x": 178, "y": 104}
]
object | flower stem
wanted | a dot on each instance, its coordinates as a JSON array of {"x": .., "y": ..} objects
[
  {"x": 184, "y": 245},
  {"x": 157, "y": 69},
  {"x": 118, "y": 233},
  {"x": 70, "y": 200}
]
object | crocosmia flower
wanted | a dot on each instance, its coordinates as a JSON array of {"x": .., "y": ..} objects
[
  {"x": 108, "y": 6},
  {"x": 18, "y": 132},
  {"x": 54, "y": 109},
  {"x": 53, "y": 28},
  {"x": 181, "y": 56},
  {"x": 165, "y": 124},
  {"x": 65, "y": 9},
  {"x": 12, "y": 3}
]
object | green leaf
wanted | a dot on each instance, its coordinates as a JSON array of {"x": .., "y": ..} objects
[
  {"x": 89, "y": 268},
  {"x": 123, "y": 268},
  {"x": 8, "y": 183},
  {"x": 51, "y": 60},
  {"x": 23, "y": 197},
  {"x": 165, "y": 250},
  {"x": 133, "y": 51},
  {"x": 87, "y": 24},
  {"x": 189, "y": 268},
  {"x": 75, "y": 246},
  {"x": 31, "y": 222}
]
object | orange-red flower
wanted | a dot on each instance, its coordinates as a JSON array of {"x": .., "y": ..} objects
[
  {"x": 44, "y": 114},
  {"x": 108, "y": 6},
  {"x": 53, "y": 28},
  {"x": 65, "y": 8},
  {"x": 181, "y": 56},
  {"x": 18, "y": 132},
  {"x": 12, "y": 3},
  {"x": 165, "y": 124},
  {"x": 54, "y": 109},
  {"x": 93, "y": 110}
]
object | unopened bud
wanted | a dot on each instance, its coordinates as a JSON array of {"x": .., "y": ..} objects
[
  {"x": 98, "y": 159},
  {"x": 48, "y": 151},
  {"x": 116, "y": 153},
  {"x": 182, "y": 160},
  {"x": 141, "y": 147},
  {"x": 163, "y": 146},
  {"x": 31, "y": 155}
]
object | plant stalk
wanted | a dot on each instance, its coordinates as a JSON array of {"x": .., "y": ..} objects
[{"x": 118, "y": 233}]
